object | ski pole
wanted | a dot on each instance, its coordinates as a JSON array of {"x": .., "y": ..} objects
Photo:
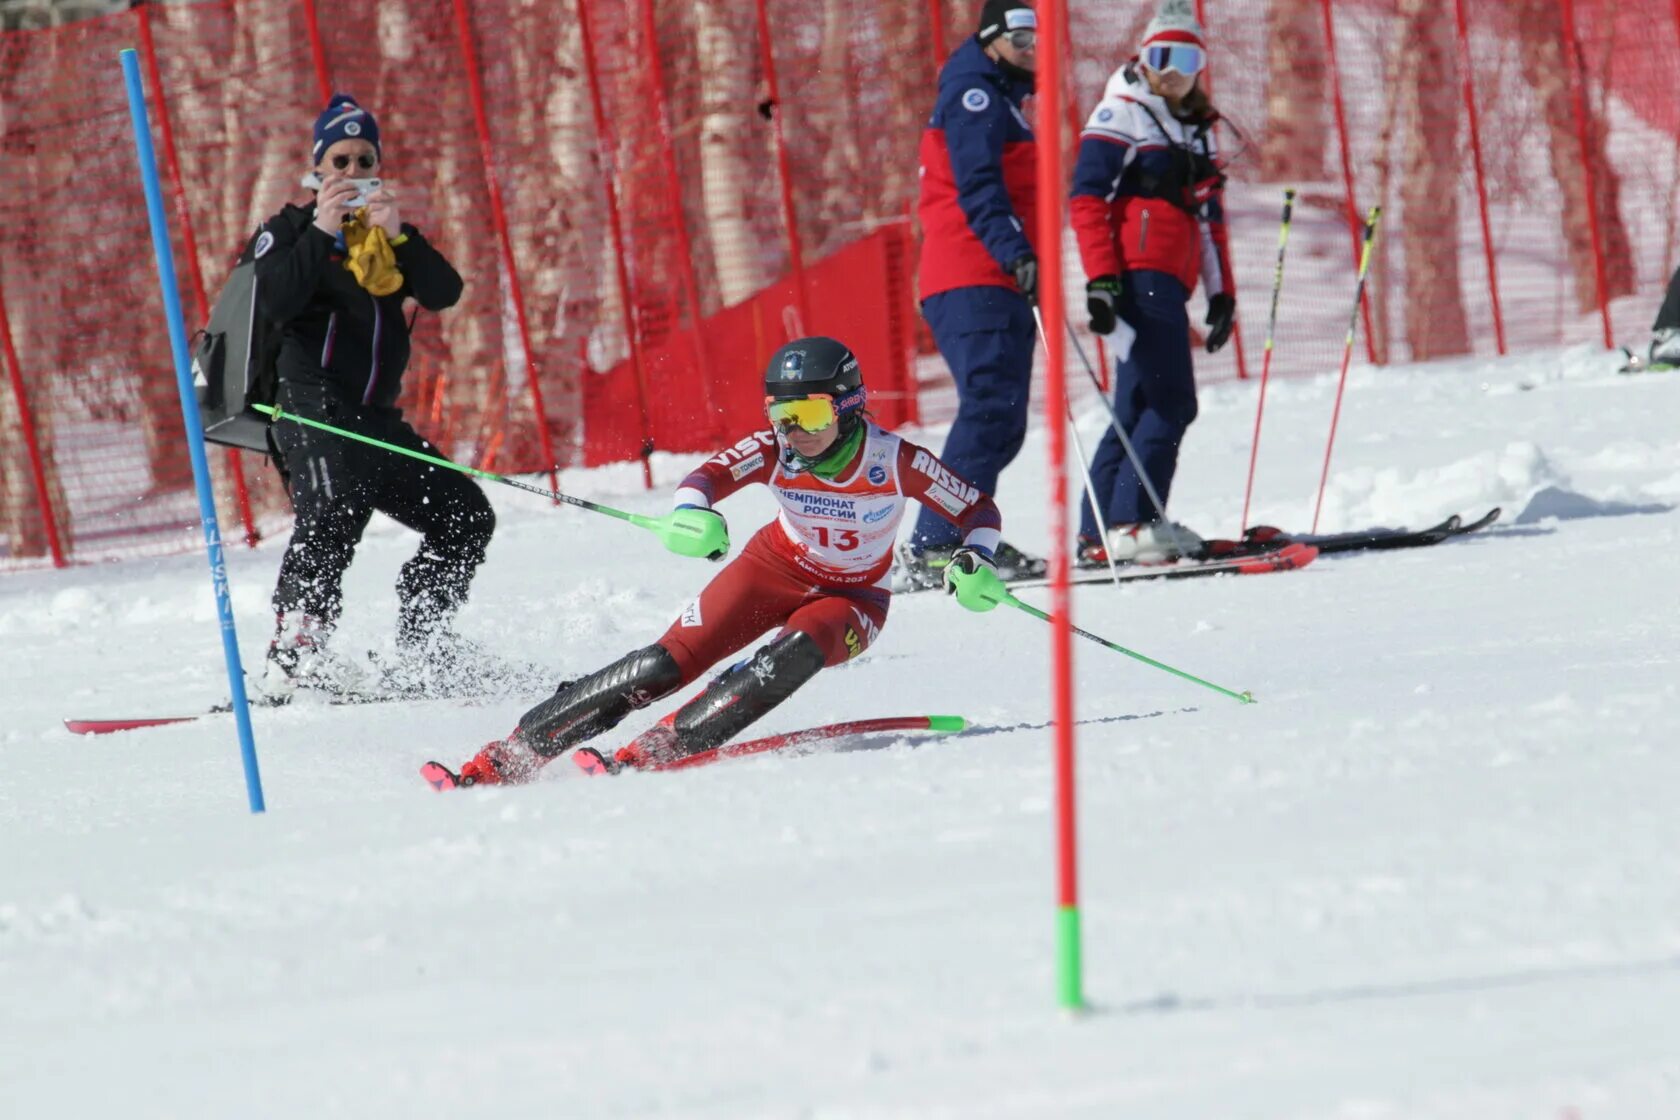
[
  {"x": 1119, "y": 429},
  {"x": 1347, "y": 354},
  {"x": 680, "y": 531},
  {"x": 1266, "y": 362},
  {"x": 1244, "y": 697},
  {"x": 1084, "y": 463}
]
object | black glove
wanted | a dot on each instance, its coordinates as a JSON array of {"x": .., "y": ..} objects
[
  {"x": 1025, "y": 271},
  {"x": 967, "y": 560},
  {"x": 1222, "y": 312},
  {"x": 1101, "y": 295}
]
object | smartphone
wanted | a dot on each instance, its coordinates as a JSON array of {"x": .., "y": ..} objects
[{"x": 364, "y": 188}]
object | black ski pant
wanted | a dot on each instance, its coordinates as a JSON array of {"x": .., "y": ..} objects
[
  {"x": 1668, "y": 315},
  {"x": 337, "y": 484}
]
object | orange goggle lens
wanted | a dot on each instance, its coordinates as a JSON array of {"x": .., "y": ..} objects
[{"x": 811, "y": 414}]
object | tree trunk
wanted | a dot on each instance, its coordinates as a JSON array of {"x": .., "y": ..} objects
[
  {"x": 1297, "y": 129},
  {"x": 1550, "y": 74},
  {"x": 20, "y": 512},
  {"x": 835, "y": 130},
  {"x": 721, "y": 50},
  {"x": 1429, "y": 78},
  {"x": 566, "y": 220}
]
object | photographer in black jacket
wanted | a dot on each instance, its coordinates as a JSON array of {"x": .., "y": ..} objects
[{"x": 335, "y": 275}]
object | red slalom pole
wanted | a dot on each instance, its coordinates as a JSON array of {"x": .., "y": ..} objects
[
  {"x": 1577, "y": 70},
  {"x": 1347, "y": 355},
  {"x": 189, "y": 246},
  {"x": 317, "y": 50},
  {"x": 1266, "y": 362},
  {"x": 1052, "y": 14},
  {"x": 1347, "y": 159},
  {"x": 26, "y": 421},
  {"x": 606, "y": 148},
  {"x": 1468, "y": 91},
  {"x": 504, "y": 239}
]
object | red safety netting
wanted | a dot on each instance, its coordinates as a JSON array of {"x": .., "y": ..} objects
[{"x": 647, "y": 196}]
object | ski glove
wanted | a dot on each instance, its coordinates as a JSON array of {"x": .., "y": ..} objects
[
  {"x": 1025, "y": 271},
  {"x": 1221, "y": 313},
  {"x": 1101, "y": 295},
  {"x": 694, "y": 531},
  {"x": 972, "y": 578}
]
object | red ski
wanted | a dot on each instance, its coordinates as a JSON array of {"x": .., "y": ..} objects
[
  {"x": 111, "y": 726},
  {"x": 1285, "y": 559},
  {"x": 591, "y": 761}
]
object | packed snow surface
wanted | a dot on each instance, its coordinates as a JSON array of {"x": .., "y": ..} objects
[{"x": 1432, "y": 874}]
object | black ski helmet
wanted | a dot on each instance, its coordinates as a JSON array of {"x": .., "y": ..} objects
[{"x": 807, "y": 366}]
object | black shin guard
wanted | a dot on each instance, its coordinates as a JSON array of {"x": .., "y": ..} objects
[
  {"x": 593, "y": 704},
  {"x": 746, "y": 692}
]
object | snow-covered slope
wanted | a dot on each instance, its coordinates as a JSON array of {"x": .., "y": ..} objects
[{"x": 1432, "y": 874}]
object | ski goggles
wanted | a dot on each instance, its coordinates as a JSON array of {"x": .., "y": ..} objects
[
  {"x": 808, "y": 414},
  {"x": 1186, "y": 58},
  {"x": 1022, "y": 39}
]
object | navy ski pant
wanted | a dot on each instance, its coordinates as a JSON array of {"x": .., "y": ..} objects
[
  {"x": 1154, "y": 397},
  {"x": 986, "y": 335}
]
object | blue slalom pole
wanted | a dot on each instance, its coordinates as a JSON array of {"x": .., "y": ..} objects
[{"x": 189, "y": 416}]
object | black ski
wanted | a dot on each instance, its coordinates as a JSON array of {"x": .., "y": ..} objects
[{"x": 1262, "y": 537}]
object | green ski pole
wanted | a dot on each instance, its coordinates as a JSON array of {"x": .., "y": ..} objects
[
  {"x": 1244, "y": 697},
  {"x": 978, "y": 589},
  {"x": 681, "y": 530}
]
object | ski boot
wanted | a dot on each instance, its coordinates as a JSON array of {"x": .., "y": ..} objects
[
  {"x": 299, "y": 660},
  {"x": 502, "y": 762},
  {"x": 1152, "y": 542}
]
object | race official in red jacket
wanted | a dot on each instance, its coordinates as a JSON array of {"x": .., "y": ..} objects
[{"x": 978, "y": 276}]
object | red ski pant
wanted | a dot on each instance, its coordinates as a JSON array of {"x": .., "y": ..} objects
[{"x": 760, "y": 589}]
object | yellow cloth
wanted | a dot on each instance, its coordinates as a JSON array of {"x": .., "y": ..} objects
[{"x": 370, "y": 259}]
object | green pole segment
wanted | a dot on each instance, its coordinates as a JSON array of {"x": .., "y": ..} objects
[
  {"x": 1070, "y": 989},
  {"x": 687, "y": 532},
  {"x": 1241, "y": 697}
]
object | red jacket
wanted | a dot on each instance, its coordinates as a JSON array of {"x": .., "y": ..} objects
[
  {"x": 978, "y": 177},
  {"x": 1147, "y": 191}
]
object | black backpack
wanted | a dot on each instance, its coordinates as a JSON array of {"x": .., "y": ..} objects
[{"x": 235, "y": 360}]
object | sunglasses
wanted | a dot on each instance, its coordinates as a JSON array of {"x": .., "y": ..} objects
[
  {"x": 364, "y": 161},
  {"x": 808, "y": 414},
  {"x": 1186, "y": 59}
]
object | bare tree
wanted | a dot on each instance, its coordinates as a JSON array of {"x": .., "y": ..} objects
[
  {"x": 725, "y": 109},
  {"x": 1551, "y": 74},
  {"x": 1297, "y": 89},
  {"x": 833, "y": 127},
  {"x": 20, "y": 512},
  {"x": 439, "y": 148},
  {"x": 1435, "y": 323}
]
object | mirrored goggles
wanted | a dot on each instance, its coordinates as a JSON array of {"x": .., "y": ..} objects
[
  {"x": 808, "y": 414},
  {"x": 1022, "y": 38},
  {"x": 1183, "y": 57}
]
